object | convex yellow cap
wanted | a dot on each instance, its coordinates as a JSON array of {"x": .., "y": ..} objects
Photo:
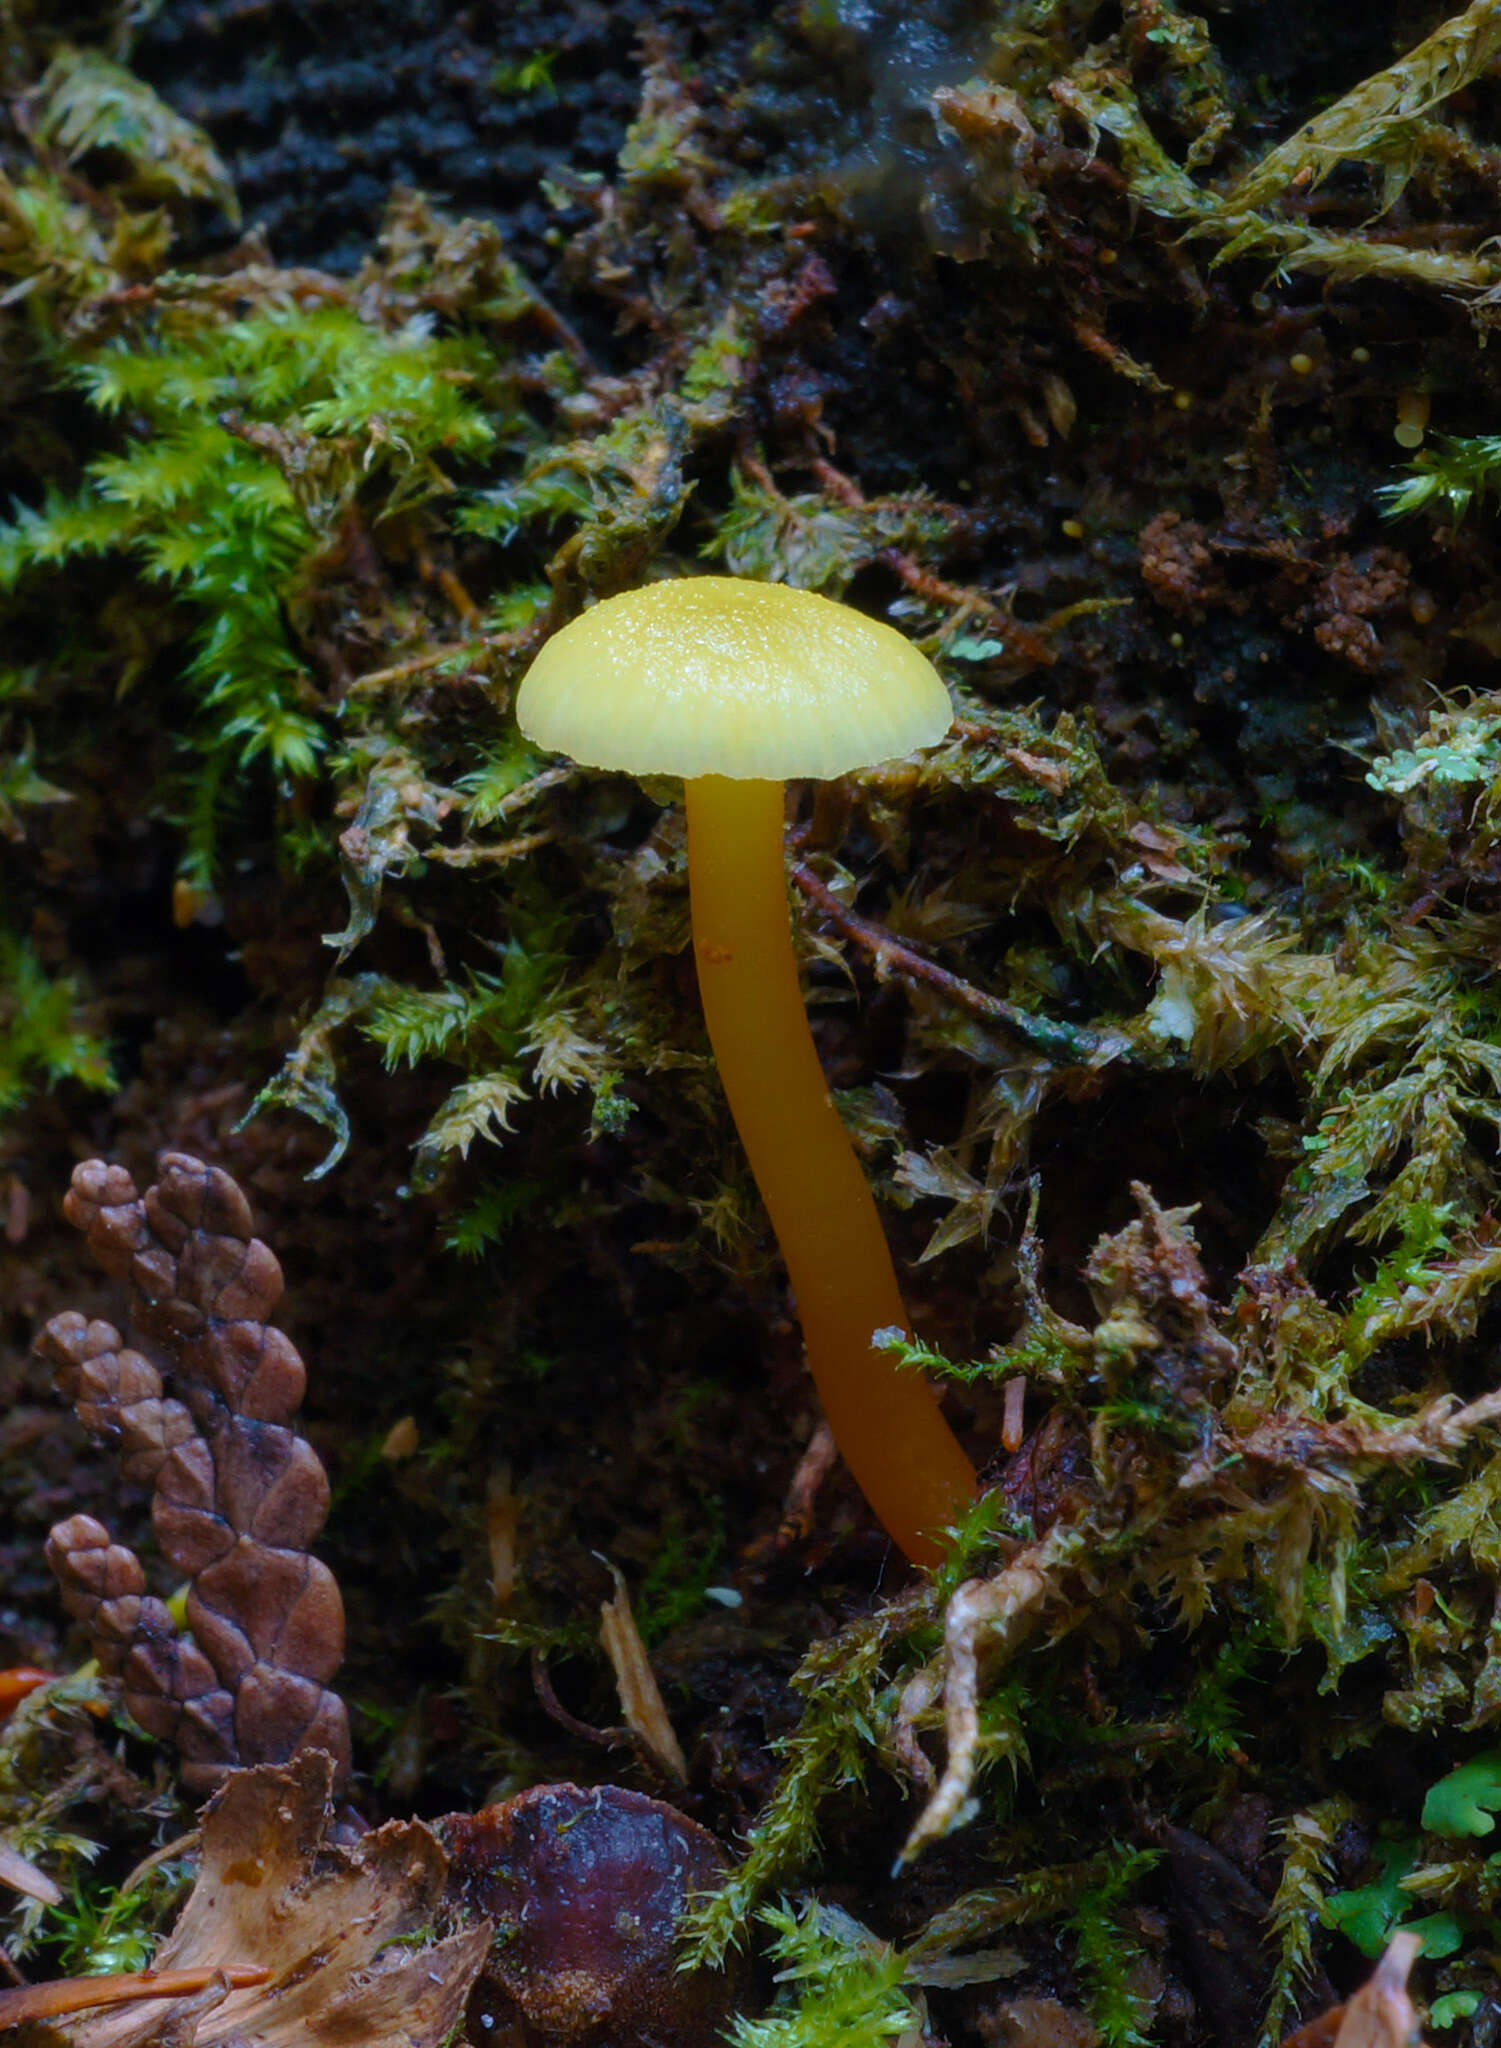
[{"x": 717, "y": 675}]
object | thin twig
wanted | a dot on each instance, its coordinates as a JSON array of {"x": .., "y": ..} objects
[
  {"x": 521, "y": 796},
  {"x": 519, "y": 642},
  {"x": 1060, "y": 1041},
  {"x": 1021, "y": 640},
  {"x": 553, "y": 1707},
  {"x": 469, "y": 855},
  {"x": 80, "y": 1994},
  {"x": 178, "y": 1846},
  {"x": 820, "y": 1455},
  {"x": 416, "y": 666}
]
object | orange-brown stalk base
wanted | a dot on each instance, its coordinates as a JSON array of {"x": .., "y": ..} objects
[{"x": 887, "y": 1423}]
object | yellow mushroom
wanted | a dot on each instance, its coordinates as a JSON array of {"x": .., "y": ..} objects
[{"x": 737, "y": 686}]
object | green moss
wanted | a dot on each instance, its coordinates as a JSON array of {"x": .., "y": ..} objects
[
  {"x": 839, "y": 1987},
  {"x": 44, "y": 1039},
  {"x": 87, "y": 103},
  {"x": 532, "y": 74},
  {"x": 1300, "y": 1906},
  {"x": 97, "y": 1932},
  {"x": 689, "y": 1558},
  {"x": 1108, "y": 1956},
  {"x": 249, "y": 441},
  {"x": 830, "y": 1751},
  {"x": 1455, "y": 471}
]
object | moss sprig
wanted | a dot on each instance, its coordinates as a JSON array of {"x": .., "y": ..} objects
[
  {"x": 248, "y": 442},
  {"x": 45, "y": 1037}
]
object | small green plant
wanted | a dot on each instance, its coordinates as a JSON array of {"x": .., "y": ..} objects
[
  {"x": 532, "y": 74},
  {"x": 1461, "y": 1885},
  {"x": 1460, "y": 744},
  {"x": 99, "y": 1932},
  {"x": 689, "y": 1557},
  {"x": 1370, "y": 1914},
  {"x": 1309, "y": 1839},
  {"x": 1455, "y": 471},
  {"x": 490, "y": 1216},
  {"x": 1108, "y": 1956},
  {"x": 811, "y": 541},
  {"x": 1467, "y": 1801},
  {"x": 20, "y": 784},
  {"x": 1215, "y": 1716},
  {"x": 87, "y": 103},
  {"x": 831, "y": 1748},
  {"x": 839, "y": 1986},
  {"x": 1453, "y": 2007},
  {"x": 42, "y": 1037}
]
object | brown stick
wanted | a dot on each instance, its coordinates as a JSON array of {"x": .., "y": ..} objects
[
  {"x": 820, "y": 1455},
  {"x": 78, "y": 1994},
  {"x": 1061, "y": 1041},
  {"x": 416, "y": 665},
  {"x": 519, "y": 642},
  {"x": 553, "y": 1707}
]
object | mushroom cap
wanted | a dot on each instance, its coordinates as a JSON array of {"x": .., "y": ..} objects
[{"x": 718, "y": 675}]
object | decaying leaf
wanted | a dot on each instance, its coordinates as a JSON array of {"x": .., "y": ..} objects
[
  {"x": 341, "y": 1930},
  {"x": 22, "y": 1876},
  {"x": 640, "y": 1695},
  {"x": 1380, "y": 2015}
]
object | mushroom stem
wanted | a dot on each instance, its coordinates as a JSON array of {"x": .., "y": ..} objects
[{"x": 886, "y": 1422}]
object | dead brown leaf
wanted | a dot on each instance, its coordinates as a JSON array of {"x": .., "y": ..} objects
[
  {"x": 340, "y": 1929},
  {"x": 640, "y": 1696},
  {"x": 1380, "y": 2015}
]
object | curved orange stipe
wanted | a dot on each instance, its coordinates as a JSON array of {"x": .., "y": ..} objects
[{"x": 887, "y": 1422}]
